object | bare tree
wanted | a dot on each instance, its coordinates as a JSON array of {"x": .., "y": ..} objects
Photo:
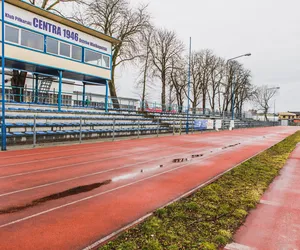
[
  {"x": 262, "y": 97},
  {"x": 196, "y": 89},
  {"x": 178, "y": 80},
  {"x": 232, "y": 69},
  {"x": 166, "y": 48},
  {"x": 201, "y": 77},
  {"x": 50, "y": 5},
  {"x": 118, "y": 19},
  {"x": 206, "y": 58},
  {"x": 243, "y": 89},
  {"x": 145, "y": 59},
  {"x": 217, "y": 72}
]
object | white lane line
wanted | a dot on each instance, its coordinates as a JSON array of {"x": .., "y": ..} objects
[
  {"x": 115, "y": 189},
  {"x": 86, "y": 154},
  {"x": 48, "y": 152},
  {"x": 92, "y": 196},
  {"x": 114, "y": 234},
  {"x": 93, "y": 145},
  {"x": 236, "y": 246},
  {"x": 123, "y": 186},
  {"x": 102, "y": 146},
  {"x": 78, "y": 164},
  {"x": 61, "y": 157},
  {"x": 83, "y": 163},
  {"x": 271, "y": 203},
  {"x": 96, "y": 173}
]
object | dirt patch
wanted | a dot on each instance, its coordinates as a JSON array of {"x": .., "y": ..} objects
[{"x": 66, "y": 193}]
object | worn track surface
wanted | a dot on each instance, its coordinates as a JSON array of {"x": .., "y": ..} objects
[
  {"x": 68, "y": 197},
  {"x": 275, "y": 223}
]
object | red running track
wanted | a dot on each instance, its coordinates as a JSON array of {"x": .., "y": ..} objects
[
  {"x": 275, "y": 223},
  {"x": 144, "y": 178}
]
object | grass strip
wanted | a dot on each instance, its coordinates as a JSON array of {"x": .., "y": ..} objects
[{"x": 208, "y": 218}]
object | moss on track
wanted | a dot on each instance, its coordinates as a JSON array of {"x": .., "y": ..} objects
[{"x": 208, "y": 218}]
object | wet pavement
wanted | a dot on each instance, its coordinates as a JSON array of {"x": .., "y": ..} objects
[
  {"x": 72, "y": 197},
  {"x": 275, "y": 223}
]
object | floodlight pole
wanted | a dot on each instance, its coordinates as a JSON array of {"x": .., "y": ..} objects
[
  {"x": 189, "y": 88},
  {"x": 3, "y": 126}
]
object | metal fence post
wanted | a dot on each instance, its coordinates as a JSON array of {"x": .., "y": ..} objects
[
  {"x": 114, "y": 125},
  {"x": 80, "y": 131},
  {"x": 138, "y": 128},
  {"x": 34, "y": 131},
  {"x": 173, "y": 127},
  {"x": 180, "y": 127},
  {"x": 193, "y": 125},
  {"x": 157, "y": 128}
]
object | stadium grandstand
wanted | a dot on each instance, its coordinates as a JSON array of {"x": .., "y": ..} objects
[{"x": 58, "y": 59}]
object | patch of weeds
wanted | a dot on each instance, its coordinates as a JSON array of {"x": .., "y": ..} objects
[
  {"x": 192, "y": 206},
  {"x": 152, "y": 245},
  {"x": 161, "y": 213},
  {"x": 208, "y": 218},
  {"x": 208, "y": 246},
  {"x": 240, "y": 213}
]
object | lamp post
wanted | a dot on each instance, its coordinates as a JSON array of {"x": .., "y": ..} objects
[
  {"x": 233, "y": 87},
  {"x": 3, "y": 127}
]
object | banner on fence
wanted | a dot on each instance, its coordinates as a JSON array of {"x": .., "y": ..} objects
[
  {"x": 200, "y": 124},
  {"x": 210, "y": 124},
  {"x": 218, "y": 124}
]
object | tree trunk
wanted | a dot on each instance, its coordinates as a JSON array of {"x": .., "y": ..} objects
[
  {"x": 112, "y": 89},
  {"x": 204, "y": 100},
  {"x": 179, "y": 103},
  {"x": 194, "y": 107},
  {"x": 170, "y": 98},
  {"x": 145, "y": 80},
  {"x": 219, "y": 99},
  {"x": 213, "y": 101},
  {"x": 144, "y": 88},
  {"x": 18, "y": 82},
  {"x": 163, "y": 91},
  {"x": 266, "y": 117}
]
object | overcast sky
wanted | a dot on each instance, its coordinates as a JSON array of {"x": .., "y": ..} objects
[{"x": 269, "y": 29}]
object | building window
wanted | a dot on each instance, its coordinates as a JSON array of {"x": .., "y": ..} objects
[
  {"x": 32, "y": 40},
  {"x": 93, "y": 57},
  {"x": 106, "y": 61},
  {"x": 76, "y": 52},
  {"x": 52, "y": 46},
  {"x": 96, "y": 58},
  {"x": 11, "y": 34},
  {"x": 65, "y": 49}
]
